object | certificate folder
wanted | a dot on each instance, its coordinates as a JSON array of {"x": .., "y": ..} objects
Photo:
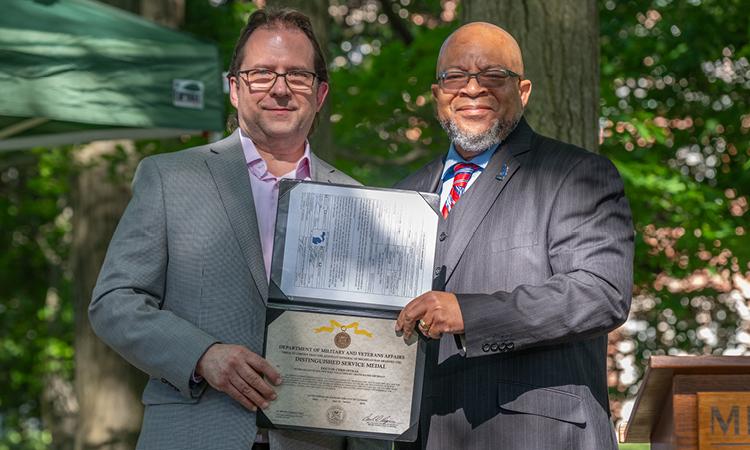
[
  {"x": 346, "y": 259},
  {"x": 379, "y": 254}
]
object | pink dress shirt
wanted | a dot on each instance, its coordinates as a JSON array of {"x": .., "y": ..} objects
[{"x": 265, "y": 188}]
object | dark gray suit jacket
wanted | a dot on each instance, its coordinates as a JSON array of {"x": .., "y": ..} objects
[
  {"x": 184, "y": 270},
  {"x": 539, "y": 251}
]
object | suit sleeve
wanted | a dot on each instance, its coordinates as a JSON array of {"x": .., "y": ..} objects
[
  {"x": 125, "y": 311},
  {"x": 590, "y": 248}
]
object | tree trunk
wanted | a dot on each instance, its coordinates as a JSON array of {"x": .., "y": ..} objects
[
  {"x": 560, "y": 44},
  {"x": 107, "y": 387},
  {"x": 321, "y": 141},
  {"x": 170, "y": 13},
  {"x": 59, "y": 408}
]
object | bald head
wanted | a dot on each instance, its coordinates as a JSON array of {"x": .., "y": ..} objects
[
  {"x": 476, "y": 41},
  {"x": 481, "y": 92}
]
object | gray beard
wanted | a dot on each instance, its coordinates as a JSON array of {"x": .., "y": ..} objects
[{"x": 479, "y": 142}]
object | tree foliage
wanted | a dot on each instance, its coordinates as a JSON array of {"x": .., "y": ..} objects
[
  {"x": 35, "y": 314},
  {"x": 674, "y": 88},
  {"x": 383, "y": 64}
]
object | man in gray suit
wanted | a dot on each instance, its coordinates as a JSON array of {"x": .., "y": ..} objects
[
  {"x": 182, "y": 291},
  {"x": 536, "y": 248}
]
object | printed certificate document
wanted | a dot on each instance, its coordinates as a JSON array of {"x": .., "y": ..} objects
[
  {"x": 346, "y": 260},
  {"x": 344, "y": 373},
  {"x": 354, "y": 245}
]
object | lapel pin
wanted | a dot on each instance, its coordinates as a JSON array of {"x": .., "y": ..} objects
[{"x": 503, "y": 173}]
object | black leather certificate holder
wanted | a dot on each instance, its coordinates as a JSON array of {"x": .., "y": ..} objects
[{"x": 341, "y": 359}]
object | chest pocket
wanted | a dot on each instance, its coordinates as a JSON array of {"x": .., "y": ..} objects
[{"x": 520, "y": 240}]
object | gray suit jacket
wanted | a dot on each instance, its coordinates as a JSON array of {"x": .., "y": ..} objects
[
  {"x": 185, "y": 270},
  {"x": 539, "y": 251}
]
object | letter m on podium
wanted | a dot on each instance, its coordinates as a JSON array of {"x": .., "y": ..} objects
[{"x": 734, "y": 417}]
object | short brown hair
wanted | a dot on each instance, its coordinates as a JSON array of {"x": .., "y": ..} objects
[{"x": 284, "y": 18}]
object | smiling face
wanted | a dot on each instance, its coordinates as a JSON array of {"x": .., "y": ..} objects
[
  {"x": 476, "y": 117},
  {"x": 277, "y": 116}
]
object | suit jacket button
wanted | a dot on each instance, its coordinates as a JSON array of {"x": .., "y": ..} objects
[
  {"x": 486, "y": 348},
  {"x": 494, "y": 347},
  {"x": 510, "y": 346},
  {"x": 442, "y": 236}
]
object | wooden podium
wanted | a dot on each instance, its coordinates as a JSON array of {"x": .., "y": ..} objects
[{"x": 693, "y": 403}]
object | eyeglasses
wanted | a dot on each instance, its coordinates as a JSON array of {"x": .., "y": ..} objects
[
  {"x": 453, "y": 80},
  {"x": 264, "y": 79}
]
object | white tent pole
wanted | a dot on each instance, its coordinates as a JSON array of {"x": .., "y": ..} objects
[
  {"x": 22, "y": 126},
  {"x": 81, "y": 137}
]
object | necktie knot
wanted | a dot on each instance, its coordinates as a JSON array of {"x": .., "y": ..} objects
[
  {"x": 462, "y": 173},
  {"x": 464, "y": 167}
]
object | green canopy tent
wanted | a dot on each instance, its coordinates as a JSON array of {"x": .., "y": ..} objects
[{"x": 73, "y": 71}]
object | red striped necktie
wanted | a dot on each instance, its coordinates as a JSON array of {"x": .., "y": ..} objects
[{"x": 461, "y": 175}]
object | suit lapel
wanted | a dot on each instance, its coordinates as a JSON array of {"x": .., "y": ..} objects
[
  {"x": 426, "y": 179},
  {"x": 320, "y": 171},
  {"x": 431, "y": 181},
  {"x": 227, "y": 165},
  {"x": 476, "y": 202}
]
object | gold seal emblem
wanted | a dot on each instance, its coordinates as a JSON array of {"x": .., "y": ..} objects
[{"x": 342, "y": 339}]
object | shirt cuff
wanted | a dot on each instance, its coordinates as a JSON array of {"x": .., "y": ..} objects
[{"x": 460, "y": 340}]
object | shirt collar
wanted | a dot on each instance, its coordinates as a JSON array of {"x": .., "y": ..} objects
[
  {"x": 453, "y": 158},
  {"x": 257, "y": 165}
]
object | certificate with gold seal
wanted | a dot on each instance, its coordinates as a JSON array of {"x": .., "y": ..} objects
[
  {"x": 342, "y": 374},
  {"x": 346, "y": 260}
]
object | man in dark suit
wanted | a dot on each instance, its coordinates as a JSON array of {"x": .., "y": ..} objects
[
  {"x": 182, "y": 291},
  {"x": 537, "y": 249}
]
